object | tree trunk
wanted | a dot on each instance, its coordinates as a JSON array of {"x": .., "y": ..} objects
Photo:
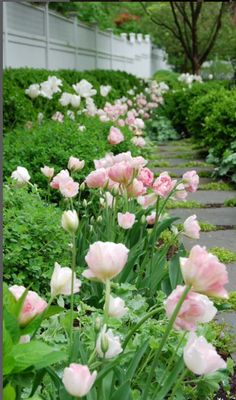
[{"x": 196, "y": 66}]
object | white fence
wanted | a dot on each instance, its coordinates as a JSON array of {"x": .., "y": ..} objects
[{"x": 38, "y": 38}]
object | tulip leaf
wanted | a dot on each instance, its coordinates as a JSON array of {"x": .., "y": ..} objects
[
  {"x": 163, "y": 225},
  {"x": 35, "y": 354},
  {"x": 12, "y": 326},
  {"x": 174, "y": 269},
  {"x": 9, "y": 392},
  {"x": 171, "y": 379},
  {"x": 123, "y": 392},
  {"x": 37, "y": 380},
  {"x": 135, "y": 361}
]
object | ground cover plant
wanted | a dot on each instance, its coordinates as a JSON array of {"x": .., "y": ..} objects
[{"x": 121, "y": 311}]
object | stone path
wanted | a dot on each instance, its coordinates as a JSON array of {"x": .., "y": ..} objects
[{"x": 177, "y": 155}]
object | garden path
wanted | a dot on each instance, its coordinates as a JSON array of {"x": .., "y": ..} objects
[{"x": 211, "y": 207}]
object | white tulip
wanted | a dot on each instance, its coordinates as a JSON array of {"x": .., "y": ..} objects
[
  {"x": 33, "y": 91},
  {"x": 70, "y": 221},
  {"x": 104, "y": 90},
  {"x": 116, "y": 307},
  {"x": 21, "y": 175},
  {"x": 112, "y": 344},
  {"x": 61, "y": 281}
]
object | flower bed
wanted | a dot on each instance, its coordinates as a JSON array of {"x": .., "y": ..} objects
[{"x": 122, "y": 311}]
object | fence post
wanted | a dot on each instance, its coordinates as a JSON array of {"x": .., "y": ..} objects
[
  {"x": 5, "y": 30},
  {"x": 111, "y": 47},
  {"x": 47, "y": 39}
]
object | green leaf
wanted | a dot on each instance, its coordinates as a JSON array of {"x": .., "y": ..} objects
[
  {"x": 35, "y": 354},
  {"x": 135, "y": 361},
  {"x": 171, "y": 380},
  {"x": 9, "y": 392},
  {"x": 37, "y": 380},
  {"x": 36, "y": 322},
  {"x": 162, "y": 226},
  {"x": 174, "y": 269},
  {"x": 12, "y": 326},
  {"x": 123, "y": 392}
]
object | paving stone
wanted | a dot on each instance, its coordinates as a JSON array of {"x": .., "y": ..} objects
[
  {"x": 212, "y": 196},
  {"x": 177, "y": 154},
  {"x": 181, "y": 171},
  {"x": 215, "y": 216},
  {"x": 175, "y": 161},
  {"x": 231, "y": 268},
  {"x": 228, "y": 317},
  {"x": 221, "y": 238}
]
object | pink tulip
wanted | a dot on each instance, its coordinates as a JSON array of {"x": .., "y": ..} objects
[
  {"x": 163, "y": 185},
  {"x": 121, "y": 122},
  {"x": 146, "y": 176},
  {"x": 105, "y": 162},
  {"x": 105, "y": 260},
  {"x": 74, "y": 164},
  {"x": 47, "y": 171},
  {"x": 97, "y": 179},
  {"x": 116, "y": 307},
  {"x": 138, "y": 162},
  {"x": 147, "y": 201},
  {"x": 180, "y": 193},
  {"x": 69, "y": 188},
  {"x": 139, "y": 123},
  {"x": 136, "y": 188},
  {"x": 151, "y": 219},
  {"x": 121, "y": 172},
  {"x": 123, "y": 157},
  {"x": 33, "y": 304},
  {"x": 138, "y": 141},
  {"x": 201, "y": 357},
  {"x": 78, "y": 380},
  {"x": 191, "y": 227},
  {"x": 126, "y": 221},
  {"x": 204, "y": 272},
  {"x": 195, "y": 309},
  {"x": 62, "y": 177},
  {"x": 191, "y": 181},
  {"x": 115, "y": 136}
]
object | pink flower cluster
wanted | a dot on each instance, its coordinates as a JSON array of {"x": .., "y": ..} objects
[{"x": 65, "y": 183}]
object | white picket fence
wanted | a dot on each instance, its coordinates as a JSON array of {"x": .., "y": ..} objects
[{"x": 38, "y": 38}]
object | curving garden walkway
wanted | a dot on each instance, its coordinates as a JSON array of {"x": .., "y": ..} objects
[{"x": 210, "y": 206}]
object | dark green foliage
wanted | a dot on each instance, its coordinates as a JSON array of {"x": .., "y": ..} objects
[
  {"x": 52, "y": 143},
  {"x": 19, "y": 108},
  {"x": 160, "y": 128},
  {"x": 33, "y": 239}
]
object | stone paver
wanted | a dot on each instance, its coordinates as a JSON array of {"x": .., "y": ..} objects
[
  {"x": 221, "y": 238},
  {"x": 231, "y": 268},
  {"x": 215, "y": 216},
  {"x": 181, "y": 171},
  {"x": 174, "y": 154},
  {"x": 175, "y": 161},
  {"x": 212, "y": 196},
  {"x": 228, "y": 317}
]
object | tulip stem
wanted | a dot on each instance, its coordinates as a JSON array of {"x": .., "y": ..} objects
[
  {"x": 72, "y": 287},
  {"x": 137, "y": 326},
  {"x": 182, "y": 376},
  {"x": 163, "y": 341},
  {"x": 107, "y": 299}
]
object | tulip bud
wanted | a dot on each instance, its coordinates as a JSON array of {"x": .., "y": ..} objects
[
  {"x": 70, "y": 221},
  {"x": 97, "y": 324},
  {"x": 92, "y": 220},
  {"x": 104, "y": 343},
  {"x": 90, "y": 228},
  {"x": 99, "y": 219},
  {"x": 82, "y": 187},
  {"x": 143, "y": 219},
  {"x": 85, "y": 203}
]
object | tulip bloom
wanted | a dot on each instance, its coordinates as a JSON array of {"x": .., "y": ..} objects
[
  {"x": 70, "y": 221},
  {"x": 136, "y": 188},
  {"x": 163, "y": 185},
  {"x": 115, "y": 136},
  {"x": 126, "y": 221},
  {"x": 191, "y": 181},
  {"x": 204, "y": 272},
  {"x": 74, "y": 164},
  {"x": 121, "y": 172},
  {"x": 151, "y": 218},
  {"x": 192, "y": 227},
  {"x": 33, "y": 304},
  {"x": 47, "y": 171},
  {"x": 105, "y": 260},
  {"x": 78, "y": 380},
  {"x": 21, "y": 175},
  {"x": 97, "y": 179},
  {"x": 200, "y": 357},
  {"x": 109, "y": 342},
  {"x": 60, "y": 178},
  {"x": 195, "y": 309},
  {"x": 69, "y": 188},
  {"x": 116, "y": 307},
  {"x": 146, "y": 176},
  {"x": 147, "y": 201},
  {"x": 61, "y": 281}
]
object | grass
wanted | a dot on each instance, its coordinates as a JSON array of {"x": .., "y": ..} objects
[
  {"x": 184, "y": 204},
  {"x": 216, "y": 186},
  {"x": 225, "y": 256},
  {"x": 205, "y": 174},
  {"x": 205, "y": 227},
  {"x": 229, "y": 303},
  {"x": 161, "y": 164},
  {"x": 195, "y": 164},
  {"x": 230, "y": 202}
]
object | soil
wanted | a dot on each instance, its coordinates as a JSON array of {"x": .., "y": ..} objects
[{"x": 222, "y": 395}]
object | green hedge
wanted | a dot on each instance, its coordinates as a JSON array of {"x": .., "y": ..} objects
[
  {"x": 52, "y": 143},
  {"x": 33, "y": 239},
  {"x": 19, "y": 108},
  {"x": 170, "y": 78}
]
